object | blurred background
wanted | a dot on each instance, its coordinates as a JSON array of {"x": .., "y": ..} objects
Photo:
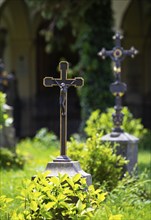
[{"x": 36, "y": 34}]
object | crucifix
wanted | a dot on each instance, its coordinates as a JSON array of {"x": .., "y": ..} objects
[
  {"x": 63, "y": 83},
  {"x": 118, "y": 89}
]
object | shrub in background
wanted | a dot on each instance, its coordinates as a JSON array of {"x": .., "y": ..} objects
[
  {"x": 100, "y": 122},
  {"x": 99, "y": 159},
  {"x": 24, "y": 151},
  {"x": 9, "y": 159},
  {"x": 46, "y": 138}
]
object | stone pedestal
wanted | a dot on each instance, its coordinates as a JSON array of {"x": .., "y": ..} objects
[
  {"x": 128, "y": 147},
  {"x": 71, "y": 168}
]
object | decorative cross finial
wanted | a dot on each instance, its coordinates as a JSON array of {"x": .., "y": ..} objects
[
  {"x": 118, "y": 89},
  {"x": 64, "y": 83},
  {"x": 117, "y": 54}
]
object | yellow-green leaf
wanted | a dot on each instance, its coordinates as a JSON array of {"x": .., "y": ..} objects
[
  {"x": 101, "y": 197},
  {"x": 49, "y": 205},
  {"x": 55, "y": 180},
  {"x": 116, "y": 217},
  {"x": 76, "y": 178},
  {"x": 33, "y": 206}
]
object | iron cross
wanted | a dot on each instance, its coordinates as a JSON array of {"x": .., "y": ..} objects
[
  {"x": 117, "y": 54},
  {"x": 63, "y": 83}
]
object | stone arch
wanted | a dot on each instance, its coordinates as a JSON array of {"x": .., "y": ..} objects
[
  {"x": 19, "y": 57},
  {"x": 15, "y": 18},
  {"x": 136, "y": 25}
]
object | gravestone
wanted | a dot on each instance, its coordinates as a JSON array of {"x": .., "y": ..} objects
[
  {"x": 128, "y": 144},
  {"x": 63, "y": 164},
  {"x": 7, "y": 131}
]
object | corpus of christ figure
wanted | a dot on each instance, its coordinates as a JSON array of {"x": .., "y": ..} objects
[{"x": 63, "y": 83}]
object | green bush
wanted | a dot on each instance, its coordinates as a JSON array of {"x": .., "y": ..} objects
[
  {"x": 64, "y": 198},
  {"x": 59, "y": 198},
  {"x": 99, "y": 159},
  {"x": 100, "y": 122},
  {"x": 46, "y": 138},
  {"x": 9, "y": 159}
]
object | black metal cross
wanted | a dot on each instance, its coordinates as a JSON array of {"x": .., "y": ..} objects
[
  {"x": 4, "y": 80},
  {"x": 118, "y": 89},
  {"x": 64, "y": 83},
  {"x": 117, "y": 54}
]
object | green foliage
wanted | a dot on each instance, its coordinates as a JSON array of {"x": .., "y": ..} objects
[
  {"x": 97, "y": 73},
  {"x": 46, "y": 138},
  {"x": 123, "y": 200},
  {"x": 99, "y": 159},
  {"x": 100, "y": 122},
  {"x": 64, "y": 197},
  {"x": 5, "y": 204},
  {"x": 5, "y": 120},
  {"x": 145, "y": 141},
  {"x": 130, "y": 198},
  {"x": 9, "y": 159},
  {"x": 16, "y": 159},
  {"x": 59, "y": 197}
]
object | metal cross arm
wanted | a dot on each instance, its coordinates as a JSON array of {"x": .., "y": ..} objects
[
  {"x": 63, "y": 83},
  {"x": 117, "y": 54},
  {"x": 63, "y": 67},
  {"x": 50, "y": 82}
]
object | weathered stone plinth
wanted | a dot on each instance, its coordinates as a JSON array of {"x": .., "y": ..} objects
[
  {"x": 71, "y": 168},
  {"x": 128, "y": 147}
]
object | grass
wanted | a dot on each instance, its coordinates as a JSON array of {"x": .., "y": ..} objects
[
  {"x": 144, "y": 161},
  {"x": 37, "y": 158}
]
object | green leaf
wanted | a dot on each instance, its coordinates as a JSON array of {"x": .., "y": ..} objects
[
  {"x": 101, "y": 197},
  {"x": 79, "y": 204},
  {"x": 33, "y": 206},
  {"x": 50, "y": 205},
  {"x": 63, "y": 178},
  {"x": 55, "y": 180},
  {"x": 76, "y": 178},
  {"x": 71, "y": 183}
]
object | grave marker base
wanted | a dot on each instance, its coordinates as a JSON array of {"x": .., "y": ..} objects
[
  {"x": 71, "y": 168},
  {"x": 128, "y": 147}
]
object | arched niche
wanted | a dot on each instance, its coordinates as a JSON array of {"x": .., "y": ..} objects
[
  {"x": 15, "y": 18},
  {"x": 136, "y": 25}
]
